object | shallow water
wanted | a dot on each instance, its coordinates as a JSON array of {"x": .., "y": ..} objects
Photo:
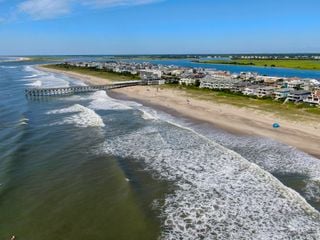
[{"x": 92, "y": 167}]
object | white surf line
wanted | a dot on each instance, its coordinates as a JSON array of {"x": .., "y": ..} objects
[{"x": 199, "y": 177}]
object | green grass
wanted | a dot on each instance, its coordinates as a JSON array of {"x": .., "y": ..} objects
[
  {"x": 283, "y": 63},
  {"x": 108, "y": 75},
  {"x": 45, "y": 59},
  {"x": 289, "y": 110}
]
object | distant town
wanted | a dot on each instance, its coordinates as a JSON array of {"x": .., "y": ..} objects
[
  {"x": 300, "y": 56},
  {"x": 296, "y": 90}
]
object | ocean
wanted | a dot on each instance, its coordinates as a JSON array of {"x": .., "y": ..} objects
[{"x": 93, "y": 167}]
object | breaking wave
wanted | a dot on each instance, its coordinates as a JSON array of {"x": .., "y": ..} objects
[
  {"x": 148, "y": 114},
  {"x": 219, "y": 194},
  {"x": 47, "y": 79},
  {"x": 8, "y": 67},
  {"x": 101, "y": 101},
  {"x": 81, "y": 116},
  {"x": 31, "y": 76},
  {"x": 34, "y": 84},
  {"x": 274, "y": 157}
]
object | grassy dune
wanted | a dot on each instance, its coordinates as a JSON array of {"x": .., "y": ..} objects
[
  {"x": 289, "y": 110},
  {"x": 94, "y": 72},
  {"x": 290, "y": 63}
]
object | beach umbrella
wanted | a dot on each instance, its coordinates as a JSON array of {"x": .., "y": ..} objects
[{"x": 276, "y": 125}]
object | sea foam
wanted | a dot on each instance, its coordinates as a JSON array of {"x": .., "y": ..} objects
[
  {"x": 274, "y": 157},
  {"x": 101, "y": 101},
  {"x": 8, "y": 67},
  {"x": 34, "y": 84},
  {"x": 47, "y": 79},
  {"x": 219, "y": 194},
  {"x": 81, "y": 116}
]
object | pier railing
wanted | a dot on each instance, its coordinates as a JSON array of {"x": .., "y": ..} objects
[{"x": 39, "y": 92}]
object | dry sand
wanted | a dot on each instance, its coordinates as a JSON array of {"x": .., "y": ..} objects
[{"x": 302, "y": 135}]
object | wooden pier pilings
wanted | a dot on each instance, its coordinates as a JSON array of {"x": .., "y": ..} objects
[{"x": 40, "y": 92}]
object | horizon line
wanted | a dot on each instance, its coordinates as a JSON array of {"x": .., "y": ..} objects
[{"x": 163, "y": 54}]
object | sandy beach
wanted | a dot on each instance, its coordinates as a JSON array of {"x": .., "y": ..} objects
[{"x": 302, "y": 135}]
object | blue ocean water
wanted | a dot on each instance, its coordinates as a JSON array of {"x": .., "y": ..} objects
[{"x": 93, "y": 167}]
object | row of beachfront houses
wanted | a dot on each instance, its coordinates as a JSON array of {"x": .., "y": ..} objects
[
  {"x": 286, "y": 89},
  {"x": 118, "y": 67},
  {"x": 247, "y": 83},
  {"x": 150, "y": 73},
  {"x": 251, "y": 84},
  {"x": 251, "y": 57}
]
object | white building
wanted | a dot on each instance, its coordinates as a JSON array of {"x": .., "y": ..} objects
[
  {"x": 212, "y": 83},
  {"x": 251, "y": 90},
  {"x": 265, "y": 91},
  {"x": 310, "y": 84},
  {"x": 314, "y": 98},
  {"x": 281, "y": 93},
  {"x": 298, "y": 96},
  {"x": 150, "y": 74},
  {"x": 248, "y": 75},
  {"x": 187, "y": 81},
  {"x": 295, "y": 84}
]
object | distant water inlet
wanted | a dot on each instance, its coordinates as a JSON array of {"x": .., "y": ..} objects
[{"x": 38, "y": 92}]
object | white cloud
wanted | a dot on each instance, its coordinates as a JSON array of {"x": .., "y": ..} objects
[
  {"x": 114, "y": 3},
  {"x": 46, "y": 9}
]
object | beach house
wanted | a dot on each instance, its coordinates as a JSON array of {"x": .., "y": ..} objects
[
  {"x": 151, "y": 77},
  {"x": 281, "y": 93},
  {"x": 271, "y": 81},
  {"x": 213, "y": 83},
  {"x": 298, "y": 95},
  {"x": 239, "y": 87},
  {"x": 248, "y": 75},
  {"x": 310, "y": 84},
  {"x": 314, "y": 98},
  {"x": 251, "y": 90},
  {"x": 187, "y": 81},
  {"x": 264, "y": 91},
  {"x": 150, "y": 74},
  {"x": 294, "y": 84}
]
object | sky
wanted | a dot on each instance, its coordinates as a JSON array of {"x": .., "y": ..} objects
[{"x": 53, "y": 27}]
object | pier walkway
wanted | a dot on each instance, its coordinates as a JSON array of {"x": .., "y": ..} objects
[{"x": 39, "y": 92}]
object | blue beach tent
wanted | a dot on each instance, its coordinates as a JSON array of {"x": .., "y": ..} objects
[{"x": 276, "y": 125}]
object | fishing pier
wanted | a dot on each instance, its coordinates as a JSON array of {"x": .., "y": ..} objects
[{"x": 60, "y": 91}]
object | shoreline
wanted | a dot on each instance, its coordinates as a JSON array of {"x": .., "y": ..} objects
[
  {"x": 304, "y": 136},
  {"x": 228, "y": 118},
  {"x": 90, "y": 80}
]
